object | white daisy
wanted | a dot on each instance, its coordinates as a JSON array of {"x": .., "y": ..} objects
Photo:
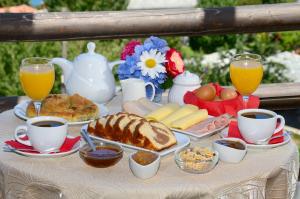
[{"x": 151, "y": 63}]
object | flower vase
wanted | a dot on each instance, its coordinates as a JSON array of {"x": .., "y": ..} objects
[{"x": 157, "y": 95}]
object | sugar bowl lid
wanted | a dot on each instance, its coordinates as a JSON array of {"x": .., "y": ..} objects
[{"x": 187, "y": 78}]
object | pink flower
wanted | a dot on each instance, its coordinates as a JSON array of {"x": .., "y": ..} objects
[
  {"x": 175, "y": 65},
  {"x": 129, "y": 48}
]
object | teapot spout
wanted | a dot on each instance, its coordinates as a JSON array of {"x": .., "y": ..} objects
[
  {"x": 112, "y": 64},
  {"x": 66, "y": 66}
]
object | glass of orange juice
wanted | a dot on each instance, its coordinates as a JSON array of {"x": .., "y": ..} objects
[
  {"x": 37, "y": 79},
  {"x": 246, "y": 72}
]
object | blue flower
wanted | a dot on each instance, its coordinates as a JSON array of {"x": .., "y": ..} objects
[
  {"x": 156, "y": 43},
  {"x": 129, "y": 68},
  {"x": 138, "y": 50}
]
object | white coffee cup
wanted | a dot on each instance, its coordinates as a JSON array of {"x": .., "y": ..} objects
[
  {"x": 134, "y": 89},
  {"x": 43, "y": 139},
  {"x": 255, "y": 130}
]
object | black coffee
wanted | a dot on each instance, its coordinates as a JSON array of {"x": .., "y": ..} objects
[
  {"x": 257, "y": 115},
  {"x": 48, "y": 123}
]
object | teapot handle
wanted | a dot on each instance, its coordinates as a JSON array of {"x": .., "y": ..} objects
[{"x": 112, "y": 64}]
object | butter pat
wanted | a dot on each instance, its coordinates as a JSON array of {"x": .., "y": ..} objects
[
  {"x": 162, "y": 112},
  {"x": 180, "y": 113},
  {"x": 190, "y": 120}
]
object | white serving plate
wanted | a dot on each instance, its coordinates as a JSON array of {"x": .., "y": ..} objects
[
  {"x": 51, "y": 155},
  {"x": 286, "y": 136},
  {"x": 197, "y": 136},
  {"x": 202, "y": 135},
  {"x": 182, "y": 141},
  {"x": 20, "y": 111}
]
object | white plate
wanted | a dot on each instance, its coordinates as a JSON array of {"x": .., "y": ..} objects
[
  {"x": 51, "y": 155},
  {"x": 197, "y": 135},
  {"x": 20, "y": 111},
  {"x": 182, "y": 141},
  {"x": 286, "y": 136}
]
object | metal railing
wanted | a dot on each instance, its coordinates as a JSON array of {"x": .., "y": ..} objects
[{"x": 142, "y": 23}]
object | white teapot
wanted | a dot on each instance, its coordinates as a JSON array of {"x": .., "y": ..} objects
[
  {"x": 89, "y": 75},
  {"x": 183, "y": 83}
]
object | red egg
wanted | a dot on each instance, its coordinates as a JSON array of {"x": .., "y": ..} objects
[
  {"x": 206, "y": 92},
  {"x": 228, "y": 93}
]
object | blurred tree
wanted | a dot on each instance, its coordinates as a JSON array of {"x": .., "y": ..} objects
[
  {"x": 86, "y": 5},
  {"x": 5, "y": 3}
]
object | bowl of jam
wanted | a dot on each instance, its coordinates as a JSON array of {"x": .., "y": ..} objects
[
  {"x": 106, "y": 154},
  {"x": 144, "y": 164},
  {"x": 231, "y": 150}
]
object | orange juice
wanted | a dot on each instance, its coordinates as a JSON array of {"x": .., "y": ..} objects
[
  {"x": 37, "y": 81},
  {"x": 246, "y": 75}
]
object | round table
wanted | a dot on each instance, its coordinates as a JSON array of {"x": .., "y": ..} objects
[{"x": 268, "y": 173}]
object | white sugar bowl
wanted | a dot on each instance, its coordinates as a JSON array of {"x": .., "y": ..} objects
[{"x": 183, "y": 83}]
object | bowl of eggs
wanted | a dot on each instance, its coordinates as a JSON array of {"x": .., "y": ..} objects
[
  {"x": 209, "y": 93},
  {"x": 216, "y": 99}
]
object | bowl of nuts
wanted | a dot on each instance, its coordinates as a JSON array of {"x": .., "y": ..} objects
[{"x": 196, "y": 159}]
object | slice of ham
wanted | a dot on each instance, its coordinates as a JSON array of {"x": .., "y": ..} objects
[
  {"x": 209, "y": 125},
  {"x": 134, "y": 107},
  {"x": 148, "y": 104},
  {"x": 140, "y": 107}
]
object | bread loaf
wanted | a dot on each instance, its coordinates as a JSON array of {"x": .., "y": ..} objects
[{"x": 134, "y": 130}]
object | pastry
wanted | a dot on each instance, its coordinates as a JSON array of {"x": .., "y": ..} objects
[
  {"x": 73, "y": 108},
  {"x": 134, "y": 130}
]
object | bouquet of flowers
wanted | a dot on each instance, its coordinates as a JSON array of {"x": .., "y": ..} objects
[{"x": 153, "y": 61}]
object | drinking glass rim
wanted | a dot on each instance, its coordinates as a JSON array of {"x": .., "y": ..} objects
[
  {"x": 251, "y": 56},
  {"x": 37, "y": 58}
]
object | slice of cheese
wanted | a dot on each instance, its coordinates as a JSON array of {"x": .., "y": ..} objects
[
  {"x": 190, "y": 120},
  {"x": 162, "y": 112},
  {"x": 178, "y": 114}
]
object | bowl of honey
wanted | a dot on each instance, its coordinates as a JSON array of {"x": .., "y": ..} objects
[{"x": 106, "y": 154}]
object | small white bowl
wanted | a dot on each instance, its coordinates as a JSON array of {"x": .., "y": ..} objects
[
  {"x": 229, "y": 154},
  {"x": 144, "y": 171}
]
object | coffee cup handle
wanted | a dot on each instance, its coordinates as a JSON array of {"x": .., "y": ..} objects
[
  {"x": 282, "y": 123},
  {"x": 22, "y": 129},
  {"x": 153, "y": 89}
]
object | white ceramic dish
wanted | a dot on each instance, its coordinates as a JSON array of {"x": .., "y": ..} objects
[
  {"x": 229, "y": 154},
  {"x": 182, "y": 141},
  {"x": 144, "y": 171},
  {"x": 51, "y": 155},
  {"x": 202, "y": 135},
  {"x": 286, "y": 136},
  {"x": 20, "y": 111}
]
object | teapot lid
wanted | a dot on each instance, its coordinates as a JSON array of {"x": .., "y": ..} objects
[
  {"x": 187, "y": 78},
  {"x": 90, "y": 57}
]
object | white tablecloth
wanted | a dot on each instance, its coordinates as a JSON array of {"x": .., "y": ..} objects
[{"x": 262, "y": 174}]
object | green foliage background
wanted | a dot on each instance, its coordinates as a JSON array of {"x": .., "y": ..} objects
[{"x": 11, "y": 53}]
